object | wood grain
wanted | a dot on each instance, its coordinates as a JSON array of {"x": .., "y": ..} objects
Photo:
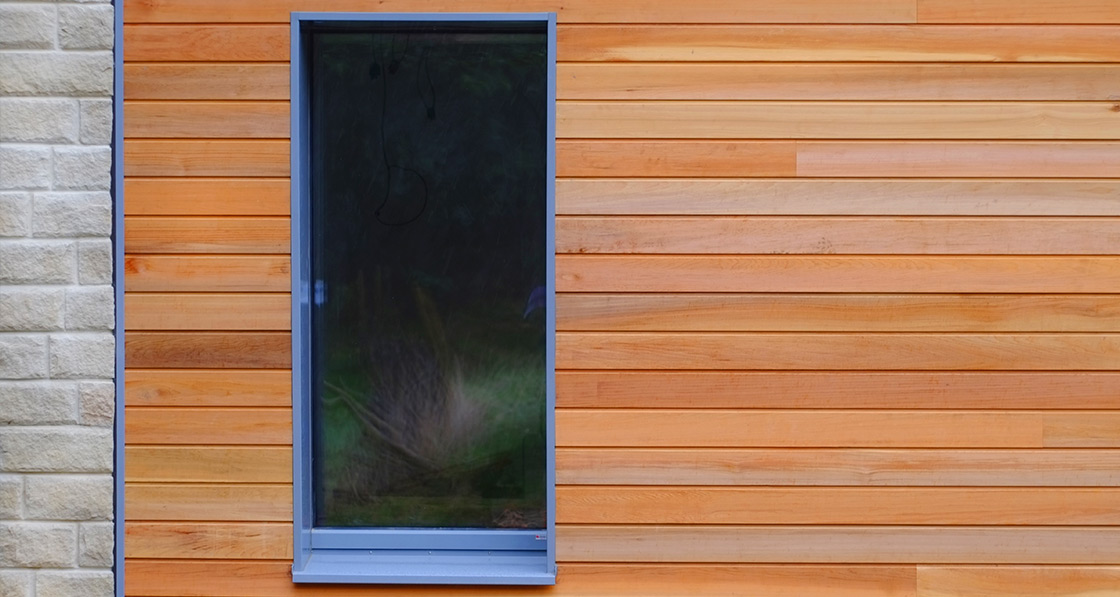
[
  {"x": 235, "y": 503},
  {"x": 675, "y": 158},
  {"x": 790, "y": 273},
  {"x": 204, "y": 234},
  {"x": 208, "y": 350},
  {"x": 210, "y": 464},
  {"x": 159, "y": 273},
  {"x": 1009, "y": 11},
  {"x": 206, "y": 81},
  {"x": 833, "y": 120},
  {"x": 203, "y": 43},
  {"x": 1017, "y": 581},
  {"x": 199, "y": 311},
  {"x": 202, "y": 426},
  {"x": 837, "y": 389},
  {"x": 236, "y": 158},
  {"x": 200, "y": 387},
  {"x": 208, "y": 540},
  {"x": 851, "y": 197},
  {"x": 206, "y": 119},
  {"x": 854, "y": 467},
  {"x": 836, "y": 505},
  {"x": 207, "y": 197}
]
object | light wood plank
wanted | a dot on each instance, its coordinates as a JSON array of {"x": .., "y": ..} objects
[
  {"x": 240, "y": 158},
  {"x": 206, "y": 81},
  {"x": 200, "y": 426},
  {"x": 228, "y": 119},
  {"x": 789, "y": 273},
  {"x": 831, "y": 43},
  {"x": 207, "y": 197},
  {"x": 1009, "y": 11},
  {"x": 837, "y": 235},
  {"x": 208, "y": 350},
  {"x": 182, "y": 464},
  {"x": 957, "y": 159},
  {"x": 828, "y": 120},
  {"x": 818, "y": 82},
  {"x": 837, "y": 389},
  {"x": 251, "y": 503},
  {"x": 837, "y": 197},
  {"x": 855, "y": 467},
  {"x": 208, "y": 540},
  {"x": 196, "y": 311},
  {"x": 157, "y": 273},
  {"x": 1018, "y": 581},
  {"x": 834, "y": 544},
  {"x": 578, "y": 11},
  {"x": 204, "y": 43},
  {"x": 236, "y": 235},
  {"x": 711, "y": 428},
  {"x": 200, "y": 387},
  {"x": 808, "y": 351},
  {"x": 836, "y": 505},
  {"x": 675, "y": 158},
  {"x": 837, "y": 312},
  {"x": 179, "y": 578}
]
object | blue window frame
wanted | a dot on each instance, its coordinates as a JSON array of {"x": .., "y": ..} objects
[{"x": 325, "y": 550}]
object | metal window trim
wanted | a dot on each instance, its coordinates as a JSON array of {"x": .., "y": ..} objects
[{"x": 427, "y": 556}]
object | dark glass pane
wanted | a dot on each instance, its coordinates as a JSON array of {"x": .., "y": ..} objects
[{"x": 428, "y": 156}]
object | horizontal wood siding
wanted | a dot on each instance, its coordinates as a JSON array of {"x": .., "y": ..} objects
[{"x": 838, "y": 297}]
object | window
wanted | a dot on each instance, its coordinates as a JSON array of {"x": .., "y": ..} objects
[{"x": 423, "y": 325}]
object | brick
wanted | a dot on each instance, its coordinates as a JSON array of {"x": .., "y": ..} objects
[
  {"x": 73, "y": 214},
  {"x": 36, "y": 262},
  {"x": 69, "y": 497},
  {"x": 95, "y": 543},
  {"x": 35, "y": 308},
  {"x": 15, "y": 583},
  {"x": 97, "y": 401},
  {"x": 11, "y": 498},
  {"x": 27, "y": 26},
  {"x": 56, "y": 449},
  {"x": 57, "y": 73},
  {"x": 85, "y": 27},
  {"x": 96, "y": 121},
  {"x": 24, "y": 167},
  {"x": 23, "y": 356},
  {"x": 15, "y": 214},
  {"x": 37, "y": 544},
  {"x": 95, "y": 262},
  {"x": 90, "y": 355},
  {"x": 74, "y": 583},
  {"x": 38, "y": 403},
  {"x": 38, "y": 120},
  {"x": 90, "y": 308},
  {"x": 82, "y": 168}
]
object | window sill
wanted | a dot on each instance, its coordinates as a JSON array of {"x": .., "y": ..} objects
[{"x": 425, "y": 567}]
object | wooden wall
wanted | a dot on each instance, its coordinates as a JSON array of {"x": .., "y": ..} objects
[{"x": 839, "y": 297}]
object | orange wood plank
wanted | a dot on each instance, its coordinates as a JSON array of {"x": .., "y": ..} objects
[
  {"x": 196, "y": 311},
  {"x": 788, "y": 273},
  {"x": 226, "y": 119},
  {"x": 837, "y": 43},
  {"x": 957, "y": 159},
  {"x": 1017, "y": 581},
  {"x": 208, "y": 350},
  {"x": 207, "y": 197},
  {"x": 856, "y": 467},
  {"x": 838, "y": 235},
  {"x": 175, "y": 502},
  {"x": 837, "y": 389},
  {"x": 836, "y": 505},
  {"x": 200, "y": 387},
  {"x": 850, "y": 197},
  {"x": 208, "y": 540},
  {"x": 204, "y": 43},
  {"x": 201, "y": 426},
  {"x": 236, "y": 158},
  {"x": 224, "y": 464},
  {"x": 840, "y": 120},
  {"x": 1008, "y": 11},
  {"x": 675, "y": 158},
  {"x": 157, "y": 273},
  {"x": 206, "y": 81},
  {"x": 236, "y": 235},
  {"x": 711, "y": 428}
]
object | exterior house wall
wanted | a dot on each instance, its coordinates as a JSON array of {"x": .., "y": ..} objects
[
  {"x": 837, "y": 297},
  {"x": 56, "y": 299}
]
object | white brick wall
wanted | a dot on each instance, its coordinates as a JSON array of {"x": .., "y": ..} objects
[{"x": 56, "y": 298}]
